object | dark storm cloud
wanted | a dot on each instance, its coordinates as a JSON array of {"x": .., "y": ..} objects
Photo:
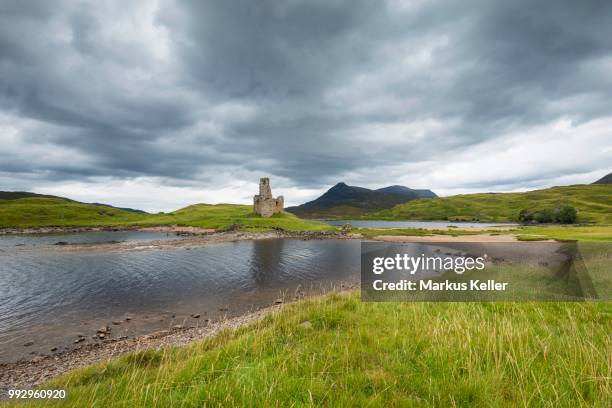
[{"x": 307, "y": 90}]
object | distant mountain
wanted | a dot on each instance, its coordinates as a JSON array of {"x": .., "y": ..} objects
[
  {"x": 343, "y": 200},
  {"x": 408, "y": 191},
  {"x": 607, "y": 179}
]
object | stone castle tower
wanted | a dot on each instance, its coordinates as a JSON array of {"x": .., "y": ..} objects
[{"x": 263, "y": 203}]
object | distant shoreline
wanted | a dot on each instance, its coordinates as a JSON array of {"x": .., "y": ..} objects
[
  {"x": 71, "y": 230},
  {"x": 195, "y": 237},
  {"x": 197, "y": 231},
  {"x": 191, "y": 237}
]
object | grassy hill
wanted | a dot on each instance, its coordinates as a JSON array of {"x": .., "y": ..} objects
[
  {"x": 339, "y": 351},
  {"x": 593, "y": 202},
  {"x": 14, "y": 195},
  {"x": 56, "y": 212},
  {"x": 223, "y": 216},
  {"x": 59, "y": 212}
]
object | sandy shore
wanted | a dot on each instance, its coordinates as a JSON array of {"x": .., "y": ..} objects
[
  {"x": 474, "y": 229},
  {"x": 447, "y": 238}
]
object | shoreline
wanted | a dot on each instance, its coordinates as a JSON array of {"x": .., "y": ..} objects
[
  {"x": 187, "y": 238},
  {"x": 32, "y": 373},
  {"x": 479, "y": 238},
  {"x": 190, "y": 230},
  {"x": 194, "y": 237},
  {"x": 181, "y": 230}
]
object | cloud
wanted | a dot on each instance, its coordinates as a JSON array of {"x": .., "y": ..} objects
[{"x": 137, "y": 99}]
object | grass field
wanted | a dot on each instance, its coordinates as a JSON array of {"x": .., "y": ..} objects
[
  {"x": 414, "y": 232},
  {"x": 44, "y": 212},
  {"x": 593, "y": 202},
  {"x": 339, "y": 351},
  {"x": 55, "y": 212},
  {"x": 599, "y": 233}
]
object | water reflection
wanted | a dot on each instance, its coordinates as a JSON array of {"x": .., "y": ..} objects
[{"x": 267, "y": 260}]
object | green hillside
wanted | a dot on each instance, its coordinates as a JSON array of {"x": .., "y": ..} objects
[
  {"x": 593, "y": 202},
  {"x": 55, "y": 212},
  {"x": 223, "y": 216},
  {"x": 59, "y": 212},
  {"x": 14, "y": 195}
]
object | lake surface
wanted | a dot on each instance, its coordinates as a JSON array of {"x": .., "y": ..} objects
[
  {"x": 412, "y": 224},
  {"x": 95, "y": 237},
  {"x": 50, "y": 297}
]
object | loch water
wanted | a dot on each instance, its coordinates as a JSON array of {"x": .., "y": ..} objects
[{"x": 49, "y": 296}]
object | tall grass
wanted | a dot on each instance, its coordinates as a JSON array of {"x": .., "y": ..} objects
[{"x": 339, "y": 351}]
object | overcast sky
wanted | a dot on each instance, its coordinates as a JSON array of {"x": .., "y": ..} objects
[{"x": 157, "y": 105}]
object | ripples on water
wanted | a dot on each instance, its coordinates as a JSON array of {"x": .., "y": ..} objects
[{"x": 50, "y": 296}]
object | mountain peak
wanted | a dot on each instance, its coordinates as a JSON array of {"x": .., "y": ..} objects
[
  {"x": 607, "y": 179},
  {"x": 352, "y": 200}
]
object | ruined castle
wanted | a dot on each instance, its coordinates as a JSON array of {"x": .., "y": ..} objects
[{"x": 263, "y": 203}]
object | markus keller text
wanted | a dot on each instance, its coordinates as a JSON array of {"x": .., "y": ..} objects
[{"x": 430, "y": 285}]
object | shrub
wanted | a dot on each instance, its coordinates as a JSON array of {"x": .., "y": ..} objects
[
  {"x": 562, "y": 214},
  {"x": 565, "y": 214},
  {"x": 544, "y": 216},
  {"x": 525, "y": 216}
]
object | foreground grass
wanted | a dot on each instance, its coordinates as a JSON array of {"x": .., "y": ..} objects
[
  {"x": 593, "y": 202},
  {"x": 340, "y": 351},
  {"x": 57, "y": 212}
]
